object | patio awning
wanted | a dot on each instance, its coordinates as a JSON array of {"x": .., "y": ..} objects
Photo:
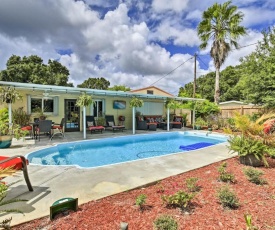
[{"x": 96, "y": 92}]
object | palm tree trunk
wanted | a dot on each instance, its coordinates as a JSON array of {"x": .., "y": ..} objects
[{"x": 217, "y": 86}]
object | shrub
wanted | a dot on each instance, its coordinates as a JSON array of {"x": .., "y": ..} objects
[
  {"x": 165, "y": 223},
  {"x": 180, "y": 199},
  {"x": 224, "y": 175},
  {"x": 254, "y": 176},
  {"x": 140, "y": 200},
  {"x": 228, "y": 198},
  {"x": 191, "y": 184}
]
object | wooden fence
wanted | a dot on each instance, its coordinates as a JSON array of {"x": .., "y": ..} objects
[{"x": 228, "y": 112}]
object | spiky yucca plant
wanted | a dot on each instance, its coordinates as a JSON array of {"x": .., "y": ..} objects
[{"x": 4, "y": 172}]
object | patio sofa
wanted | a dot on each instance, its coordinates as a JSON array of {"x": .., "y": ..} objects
[{"x": 148, "y": 121}]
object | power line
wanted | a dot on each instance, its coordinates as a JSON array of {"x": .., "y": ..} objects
[
  {"x": 171, "y": 71},
  {"x": 202, "y": 62},
  {"x": 233, "y": 49}
]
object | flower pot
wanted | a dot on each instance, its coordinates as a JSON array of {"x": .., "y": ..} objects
[
  {"x": 5, "y": 141},
  {"x": 197, "y": 127},
  {"x": 250, "y": 160}
]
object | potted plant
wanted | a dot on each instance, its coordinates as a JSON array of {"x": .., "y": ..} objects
[
  {"x": 134, "y": 103},
  {"x": 199, "y": 123},
  {"x": 84, "y": 100},
  {"x": 7, "y": 131},
  {"x": 9, "y": 95},
  {"x": 251, "y": 152},
  {"x": 249, "y": 140},
  {"x": 184, "y": 119}
]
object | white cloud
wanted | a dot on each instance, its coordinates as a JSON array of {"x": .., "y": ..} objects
[
  {"x": 122, "y": 45},
  {"x": 164, "y": 5}
]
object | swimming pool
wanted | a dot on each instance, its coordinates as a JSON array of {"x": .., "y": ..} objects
[{"x": 106, "y": 151}]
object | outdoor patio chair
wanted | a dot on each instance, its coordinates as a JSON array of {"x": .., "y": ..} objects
[
  {"x": 17, "y": 163},
  {"x": 58, "y": 129},
  {"x": 44, "y": 127},
  {"x": 90, "y": 124},
  {"x": 110, "y": 123}
]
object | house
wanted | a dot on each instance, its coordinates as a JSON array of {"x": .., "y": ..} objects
[
  {"x": 59, "y": 102},
  {"x": 228, "y": 108}
]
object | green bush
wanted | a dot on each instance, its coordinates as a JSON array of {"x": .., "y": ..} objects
[
  {"x": 245, "y": 146},
  {"x": 180, "y": 199},
  {"x": 254, "y": 176},
  {"x": 140, "y": 200},
  {"x": 224, "y": 175},
  {"x": 191, "y": 184},
  {"x": 228, "y": 198},
  {"x": 165, "y": 223}
]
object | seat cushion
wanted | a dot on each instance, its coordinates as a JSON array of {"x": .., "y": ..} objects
[
  {"x": 57, "y": 127},
  {"x": 26, "y": 128},
  {"x": 96, "y": 127},
  {"x": 15, "y": 163}
]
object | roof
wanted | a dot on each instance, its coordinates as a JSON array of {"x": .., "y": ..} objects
[
  {"x": 96, "y": 92},
  {"x": 150, "y": 87},
  {"x": 229, "y": 102}
]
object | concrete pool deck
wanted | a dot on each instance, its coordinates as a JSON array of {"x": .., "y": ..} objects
[{"x": 51, "y": 183}]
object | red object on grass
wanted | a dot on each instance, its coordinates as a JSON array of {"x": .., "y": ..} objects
[{"x": 18, "y": 163}]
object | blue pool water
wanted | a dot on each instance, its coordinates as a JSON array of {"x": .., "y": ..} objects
[{"x": 108, "y": 151}]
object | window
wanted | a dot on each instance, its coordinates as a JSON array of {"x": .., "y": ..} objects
[
  {"x": 38, "y": 104},
  {"x": 150, "y": 91},
  {"x": 45, "y": 105},
  {"x": 151, "y": 108}
]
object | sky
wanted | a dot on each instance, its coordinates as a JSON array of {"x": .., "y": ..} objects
[{"x": 128, "y": 42}]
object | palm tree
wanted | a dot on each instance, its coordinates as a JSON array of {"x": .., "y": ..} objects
[{"x": 220, "y": 24}]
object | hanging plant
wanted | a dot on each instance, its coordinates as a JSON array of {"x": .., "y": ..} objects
[
  {"x": 136, "y": 102},
  {"x": 84, "y": 100},
  {"x": 9, "y": 95},
  {"x": 171, "y": 104}
]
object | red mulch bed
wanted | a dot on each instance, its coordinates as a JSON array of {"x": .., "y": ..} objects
[{"x": 206, "y": 212}]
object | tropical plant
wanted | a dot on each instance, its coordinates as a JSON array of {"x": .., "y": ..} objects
[
  {"x": 8, "y": 130},
  {"x": 246, "y": 146},
  {"x": 228, "y": 197},
  {"x": 20, "y": 117},
  {"x": 220, "y": 24},
  {"x": 4, "y": 172},
  {"x": 84, "y": 100},
  {"x": 136, "y": 102},
  {"x": 180, "y": 199},
  {"x": 165, "y": 222}
]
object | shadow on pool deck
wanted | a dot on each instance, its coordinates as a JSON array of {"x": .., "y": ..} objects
[{"x": 55, "y": 182}]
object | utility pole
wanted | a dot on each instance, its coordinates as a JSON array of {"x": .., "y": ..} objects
[
  {"x": 194, "y": 88},
  {"x": 195, "y": 75}
]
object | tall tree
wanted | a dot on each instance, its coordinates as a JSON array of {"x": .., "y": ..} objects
[
  {"x": 258, "y": 72},
  {"x": 119, "y": 88},
  {"x": 95, "y": 83},
  {"x": 221, "y": 25},
  {"x": 32, "y": 70}
]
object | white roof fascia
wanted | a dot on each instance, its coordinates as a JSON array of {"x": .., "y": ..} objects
[{"x": 74, "y": 90}]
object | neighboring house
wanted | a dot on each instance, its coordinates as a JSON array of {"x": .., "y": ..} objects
[
  {"x": 149, "y": 107},
  {"x": 228, "y": 108},
  {"x": 152, "y": 90},
  {"x": 59, "y": 101}
]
